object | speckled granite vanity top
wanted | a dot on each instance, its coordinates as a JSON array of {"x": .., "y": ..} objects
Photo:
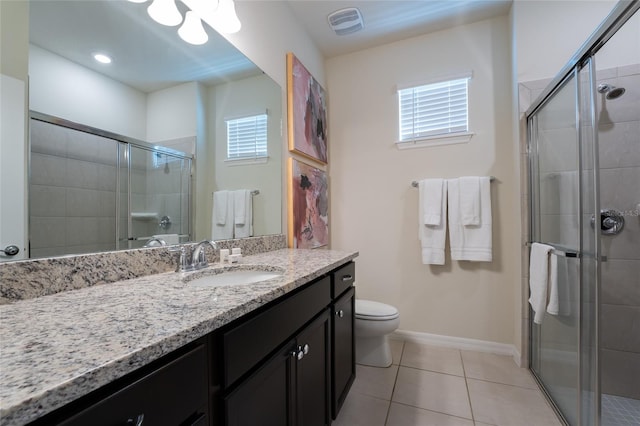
[{"x": 56, "y": 348}]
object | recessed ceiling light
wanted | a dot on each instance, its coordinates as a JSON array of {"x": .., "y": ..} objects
[{"x": 102, "y": 58}]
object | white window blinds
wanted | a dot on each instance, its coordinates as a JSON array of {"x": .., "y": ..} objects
[
  {"x": 433, "y": 110},
  {"x": 247, "y": 137}
]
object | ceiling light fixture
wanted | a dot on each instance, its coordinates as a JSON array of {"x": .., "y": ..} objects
[
  {"x": 192, "y": 30},
  {"x": 138, "y": 1},
  {"x": 102, "y": 58},
  {"x": 224, "y": 17},
  {"x": 165, "y": 12}
]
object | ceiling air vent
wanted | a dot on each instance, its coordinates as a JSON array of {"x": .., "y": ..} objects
[{"x": 346, "y": 21}]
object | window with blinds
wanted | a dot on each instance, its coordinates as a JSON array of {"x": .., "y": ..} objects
[
  {"x": 434, "y": 110},
  {"x": 247, "y": 137}
]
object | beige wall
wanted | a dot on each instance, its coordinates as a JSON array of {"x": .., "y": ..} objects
[
  {"x": 254, "y": 95},
  {"x": 373, "y": 206}
]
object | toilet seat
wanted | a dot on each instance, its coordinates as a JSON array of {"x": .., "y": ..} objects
[{"x": 375, "y": 311}]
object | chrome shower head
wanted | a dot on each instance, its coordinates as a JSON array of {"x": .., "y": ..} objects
[{"x": 610, "y": 91}]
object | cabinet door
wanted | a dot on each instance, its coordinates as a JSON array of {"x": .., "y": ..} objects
[
  {"x": 265, "y": 397},
  {"x": 343, "y": 349},
  {"x": 312, "y": 373}
]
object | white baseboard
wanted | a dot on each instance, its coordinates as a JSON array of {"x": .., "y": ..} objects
[{"x": 458, "y": 343}]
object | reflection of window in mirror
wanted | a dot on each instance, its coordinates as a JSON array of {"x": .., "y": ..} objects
[{"x": 247, "y": 137}]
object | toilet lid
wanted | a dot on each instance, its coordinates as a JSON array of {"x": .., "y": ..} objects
[{"x": 368, "y": 309}]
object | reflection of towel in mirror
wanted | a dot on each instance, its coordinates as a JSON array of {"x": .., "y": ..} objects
[
  {"x": 243, "y": 213},
  {"x": 222, "y": 216}
]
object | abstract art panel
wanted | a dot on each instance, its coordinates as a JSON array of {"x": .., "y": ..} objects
[
  {"x": 308, "y": 206},
  {"x": 306, "y": 112}
]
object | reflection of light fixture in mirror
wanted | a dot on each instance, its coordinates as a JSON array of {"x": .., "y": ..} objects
[
  {"x": 224, "y": 17},
  {"x": 165, "y": 12},
  {"x": 137, "y": 1},
  {"x": 192, "y": 30},
  {"x": 102, "y": 58}
]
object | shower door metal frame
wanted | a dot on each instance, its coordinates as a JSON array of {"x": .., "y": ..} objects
[{"x": 583, "y": 58}]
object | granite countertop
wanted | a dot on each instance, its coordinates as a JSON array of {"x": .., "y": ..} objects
[{"x": 57, "y": 348}]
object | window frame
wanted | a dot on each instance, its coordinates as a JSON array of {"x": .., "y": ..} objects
[
  {"x": 444, "y": 138},
  {"x": 248, "y": 159}
]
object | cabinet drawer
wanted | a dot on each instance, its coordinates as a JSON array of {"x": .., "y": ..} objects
[
  {"x": 247, "y": 344},
  {"x": 342, "y": 279},
  {"x": 174, "y": 394}
]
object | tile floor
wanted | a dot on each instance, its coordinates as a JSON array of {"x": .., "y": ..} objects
[{"x": 429, "y": 385}]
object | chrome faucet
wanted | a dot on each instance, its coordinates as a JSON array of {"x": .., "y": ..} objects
[
  {"x": 198, "y": 257},
  {"x": 156, "y": 239}
]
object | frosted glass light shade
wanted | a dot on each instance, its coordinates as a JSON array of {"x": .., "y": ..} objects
[
  {"x": 165, "y": 12},
  {"x": 225, "y": 18},
  {"x": 192, "y": 30}
]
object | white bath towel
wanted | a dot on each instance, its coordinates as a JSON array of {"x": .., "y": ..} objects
[
  {"x": 220, "y": 200},
  {"x": 222, "y": 231},
  {"x": 431, "y": 192},
  {"x": 542, "y": 269},
  {"x": 432, "y": 237},
  {"x": 566, "y": 275},
  {"x": 470, "y": 242},
  {"x": 470, "y": 200},
  {"x": 243, "y": 213}
]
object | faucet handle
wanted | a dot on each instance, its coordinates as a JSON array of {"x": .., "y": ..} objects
[
  {"x": 198, "y": 257},
  {"x": 183, "y": 262}
]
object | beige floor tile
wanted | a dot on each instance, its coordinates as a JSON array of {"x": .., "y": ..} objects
[
  {"x": 496, "y": 368},
  {"x": 506, "y": 405},
  {"x": 374, "y": 381},
  {"x": 404, "y": 415},
  {"x": 439, "y": 392},
  {"x": 362, "y": 410},
  {"x": 396, "y": 350},
  {"x": 432, "y": 358}
]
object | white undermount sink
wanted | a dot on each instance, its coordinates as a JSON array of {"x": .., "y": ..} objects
[{"x": 229, "y": 277}]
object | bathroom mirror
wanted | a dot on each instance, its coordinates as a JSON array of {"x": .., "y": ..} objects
[{"x": 159, "y": 91}]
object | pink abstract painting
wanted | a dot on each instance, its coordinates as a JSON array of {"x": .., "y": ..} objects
[
  {"x": 308, "y": 206},
  {"x": 307, "y": 112}
]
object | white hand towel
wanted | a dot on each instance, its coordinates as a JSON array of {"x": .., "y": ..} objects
[
  {"x": 432, "y": 237},
  {"x": 472, "y": 242},
  {"x": 243, "y": 213},
  {"x": 220, "y": 200},
  {"x": 470, "y": 200},
  {"x": 566, "y": 274},
  {"x": 542, "y": 266},
  {"x": 431, "y": 199},
  {"x": 225, "y": 208}
]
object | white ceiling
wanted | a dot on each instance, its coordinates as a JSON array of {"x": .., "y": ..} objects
[
  {"x": 149, "y": 56},
  {"x": 387, "y": 21},
  {"x": 146, "y": 55}
]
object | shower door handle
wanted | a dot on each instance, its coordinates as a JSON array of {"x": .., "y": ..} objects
[{"x": 10, "y": 250}]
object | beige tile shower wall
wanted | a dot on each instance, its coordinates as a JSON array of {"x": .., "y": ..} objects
[
  {"x": 619, "y": 144},
  {"x": 72, "y": 191},
  {"x": 374, "y": 207}
]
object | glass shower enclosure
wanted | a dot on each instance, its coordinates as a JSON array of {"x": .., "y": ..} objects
[
  {"x": 93, "y": 191},
  {"x": 584, "y": 162}
]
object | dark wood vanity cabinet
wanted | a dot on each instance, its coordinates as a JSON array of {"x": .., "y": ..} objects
[
  {"x": 343, "y": 360},
  {"x": 290, "y": 362}
]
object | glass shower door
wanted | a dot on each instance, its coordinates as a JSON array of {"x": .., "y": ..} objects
[
  {"x": 159, "y": 196},
  {"x": 555, "y": 345}
]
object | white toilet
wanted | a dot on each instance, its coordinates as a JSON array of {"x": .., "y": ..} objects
[{"x": 374, "y": 321}]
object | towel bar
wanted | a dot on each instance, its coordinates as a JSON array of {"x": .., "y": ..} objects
[
  {"x": 415, "y": 182},
  {"x": 565, "y": 252}
]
